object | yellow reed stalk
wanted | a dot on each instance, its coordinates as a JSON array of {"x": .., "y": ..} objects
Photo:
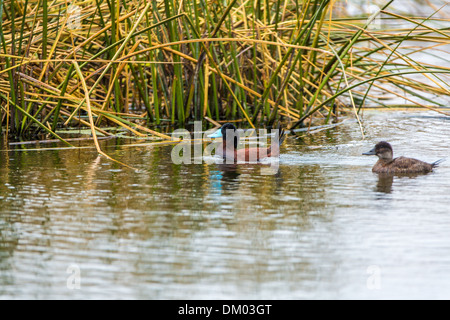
[
  {"x": 7, "y": 116},
  {"x": 52, "y": 50},
  {"x": 205, "y": 105},
  {"x": 91, "y": 119},
  {"x": 116, "y": 55},
  {"x": 116, "y": 76},
  {"x": 408, "y": 61},
  {"x": 229, "y": 79},
  {"x": 264, "y": 42},
  {"x": 401, "y": 96}
]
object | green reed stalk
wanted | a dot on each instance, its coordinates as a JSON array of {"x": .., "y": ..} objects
[
  {"x": 22, "y": 28},
  {"x": 173, "y": 36},
  {"x": 389, "y": 57},
  {"x": 114, "y": 58},
  {"x": 174, "y": 99},
  {"x": 37, "y": 121},
  {"x": 225, "y": 80},
  {"x": 297, "y": 58},
  {"x": 44, "y": 29},
  {"x": 154, "y": 75},
  {"x": 18, "y": 97},
  {"x": 144, "y": 91},
  {"x": 60, "y": 101},
  {"x": 361, "y": 83},
  {"x": 12, "y": 108},
  {"x": 275, "y": 75},
  {"x": 332, "y": 65}
]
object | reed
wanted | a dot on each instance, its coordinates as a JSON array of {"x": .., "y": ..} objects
[{"x": 139, "y": 64}]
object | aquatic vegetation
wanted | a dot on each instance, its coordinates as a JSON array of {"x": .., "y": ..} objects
[{"x": 138, "y": 64}]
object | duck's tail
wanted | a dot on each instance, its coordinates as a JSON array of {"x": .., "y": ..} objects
[
  {"x": 276, "y": 150},
  {"x": 437, "y": 163},
  {"x": 281, "y": 137}
]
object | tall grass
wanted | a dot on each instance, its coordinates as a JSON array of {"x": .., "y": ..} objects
[{"x": 144, "y": 63}]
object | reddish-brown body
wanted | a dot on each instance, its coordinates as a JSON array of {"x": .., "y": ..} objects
[
  {"x": 231, "y": 153},
  {"x": 248, "y": 154}
]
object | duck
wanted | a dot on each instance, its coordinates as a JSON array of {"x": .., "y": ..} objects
[
  {"x": 232, "y": 153},
  {"x": 401, "y": 165}
]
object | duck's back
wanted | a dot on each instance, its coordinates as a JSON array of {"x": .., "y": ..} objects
[{"x": 403, "y": 165}]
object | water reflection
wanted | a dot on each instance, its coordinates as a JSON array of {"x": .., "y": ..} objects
[
  {"x": 385, "y": 182},
  {"x": 228, "y": 172},
  {"x": 225, "y": 178}
]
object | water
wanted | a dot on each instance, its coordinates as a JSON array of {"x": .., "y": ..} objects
[
  {"x": 324, "y": 226},
  {"x": 425, "y": 53}
]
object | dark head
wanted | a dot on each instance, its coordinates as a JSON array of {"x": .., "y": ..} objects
[
  {"x": 382, "y": 150},
  {"x": 229, "y": 130}
]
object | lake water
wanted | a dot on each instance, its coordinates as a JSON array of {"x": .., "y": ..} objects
[{"x": 73, "y": 225}]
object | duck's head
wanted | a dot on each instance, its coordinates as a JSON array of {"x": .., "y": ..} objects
[
  {"x": 229, "y": 131},
  {"x": 382, "y": 150}
]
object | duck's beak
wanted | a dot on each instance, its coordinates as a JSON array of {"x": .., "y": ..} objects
[
  {"x": 217, "y": 134},
  {"x": 370, "y": 153}
]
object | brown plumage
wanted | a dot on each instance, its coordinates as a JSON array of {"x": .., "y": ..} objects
[
  {"x": 401, "y": 165},
  {"x": 230, "y": 152}
]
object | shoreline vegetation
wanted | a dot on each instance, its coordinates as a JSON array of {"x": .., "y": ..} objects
[{"x": 138, "y": 65}]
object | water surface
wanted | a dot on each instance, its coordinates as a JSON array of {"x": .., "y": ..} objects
[{"x": 324, "y": 226}]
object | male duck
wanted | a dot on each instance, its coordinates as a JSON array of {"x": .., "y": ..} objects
[
  {"x": 230, "y": 151},
  {"x": 387, "y": 164}
]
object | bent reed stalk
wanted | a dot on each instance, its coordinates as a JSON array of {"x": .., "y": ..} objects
[{"x": 136, "y": 64}]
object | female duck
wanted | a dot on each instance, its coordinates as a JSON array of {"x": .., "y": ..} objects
[
  {"x": 230, "y": 152},
  {"x": 387, "y": 164}
]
